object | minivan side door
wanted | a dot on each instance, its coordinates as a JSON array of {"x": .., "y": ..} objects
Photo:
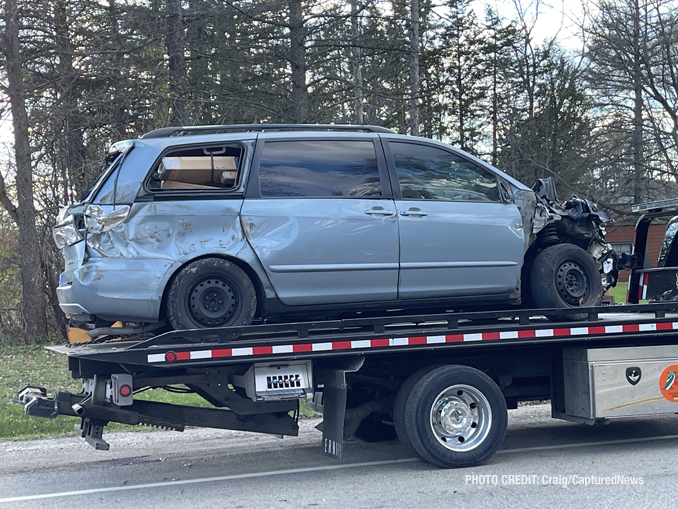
[
  {"x": 320, "y": 216},
  {"x": 458, "y": 235}
]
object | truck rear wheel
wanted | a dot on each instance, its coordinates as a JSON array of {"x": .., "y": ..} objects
[
  {"x": 401, "y": 400},
  {"x": 455, "y": 416}
]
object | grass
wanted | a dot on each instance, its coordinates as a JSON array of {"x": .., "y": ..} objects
[
  {"x": 20, "y": 366},
  {"x": 619, "y": 293},
  {"x": 35, "y": 365}
]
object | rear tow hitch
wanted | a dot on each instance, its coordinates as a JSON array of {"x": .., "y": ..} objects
[{"x": 36, "y": 403}]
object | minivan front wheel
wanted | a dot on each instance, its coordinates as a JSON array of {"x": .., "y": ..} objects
[
  {"x": 565, "y": 276},
  {"x": 210, "y": 292}
]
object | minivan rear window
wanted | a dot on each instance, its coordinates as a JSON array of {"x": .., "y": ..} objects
[
  {"x": 197, "y": 168},
  {"x": 319, "y": 168}
]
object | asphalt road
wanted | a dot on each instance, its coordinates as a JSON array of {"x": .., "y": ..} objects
[{"x": 543, "y": 463}]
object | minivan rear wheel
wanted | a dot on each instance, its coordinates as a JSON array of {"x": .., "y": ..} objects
[{"x": 210, "y": 292}]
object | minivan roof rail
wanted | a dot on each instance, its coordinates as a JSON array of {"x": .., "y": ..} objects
[{"x": 166, "y": 132}]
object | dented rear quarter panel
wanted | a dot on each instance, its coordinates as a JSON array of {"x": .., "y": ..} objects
[
  {"x": 156, "y": 240},
  {"x": 129, "y": 267}
]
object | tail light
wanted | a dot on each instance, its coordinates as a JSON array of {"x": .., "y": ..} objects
[
  {"x": 120, "y": 389},
  {"x": 102, "y": 218},
  {"x": 65, "y": 233}
]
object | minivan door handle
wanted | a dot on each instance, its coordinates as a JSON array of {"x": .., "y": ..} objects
[
  {"x": 379, "y": 211},
  {"x": 414, "y": 212}
]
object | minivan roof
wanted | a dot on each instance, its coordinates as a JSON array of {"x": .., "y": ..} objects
[{"x": 166, "y": 132}]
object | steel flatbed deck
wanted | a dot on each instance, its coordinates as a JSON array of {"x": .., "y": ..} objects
[{"x": 367, "y": 336}]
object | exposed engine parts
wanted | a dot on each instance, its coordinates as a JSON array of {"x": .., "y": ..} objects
[{"x": 576, "y": 221}]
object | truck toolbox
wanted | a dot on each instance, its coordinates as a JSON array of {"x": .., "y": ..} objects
[{"x": 602, "y": 383}]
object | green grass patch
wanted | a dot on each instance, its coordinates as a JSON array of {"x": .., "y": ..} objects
[
  {"x": 619, "y": 293},
  {"x": 35, "y": 365},
  {"x": 20, "y": 366}
]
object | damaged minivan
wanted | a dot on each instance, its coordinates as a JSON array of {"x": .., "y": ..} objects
[{"x": 196, "y": 227}]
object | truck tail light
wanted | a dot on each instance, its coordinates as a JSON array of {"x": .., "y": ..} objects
[{"x": 122, "y": 389}]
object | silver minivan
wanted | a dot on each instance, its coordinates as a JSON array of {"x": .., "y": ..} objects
[{"x": 214, "y": 226}]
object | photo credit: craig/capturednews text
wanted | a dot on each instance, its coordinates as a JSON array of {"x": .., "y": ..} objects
[{"x": 555, "y": 480}]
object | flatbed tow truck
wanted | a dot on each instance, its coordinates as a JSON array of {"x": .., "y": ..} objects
[{"x": 441, "y": 383}]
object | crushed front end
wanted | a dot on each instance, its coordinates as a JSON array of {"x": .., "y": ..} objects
[{"x": 576, "y": 221}]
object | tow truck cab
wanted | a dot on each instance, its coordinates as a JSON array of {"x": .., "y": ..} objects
[{"x": 659, "y": 284}]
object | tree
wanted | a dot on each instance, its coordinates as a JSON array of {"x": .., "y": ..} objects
[
  {"x": 177, "y": 65},
  {"x": 356, "y": 65},
  {"x": 465, "y": 68},
  {"x": 298, "y": 61},
  {"x": 634, "y": 78},
  {"x": 500, "y": 39},
  {"x": 32, "y": 278},
  {"x": 415, "y": 42},
  {"x": 554, "y": 141}
]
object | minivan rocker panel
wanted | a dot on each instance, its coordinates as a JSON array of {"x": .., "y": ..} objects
[{"x": 227, "y": 223}]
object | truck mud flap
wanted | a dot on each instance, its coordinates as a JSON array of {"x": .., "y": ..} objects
[{"x": 334, "y": 405}]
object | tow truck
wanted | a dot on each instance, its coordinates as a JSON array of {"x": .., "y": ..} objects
[{"x": 441, "y": 383}]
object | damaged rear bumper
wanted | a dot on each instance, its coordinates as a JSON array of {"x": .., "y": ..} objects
[{"x": 103, "y": 289}]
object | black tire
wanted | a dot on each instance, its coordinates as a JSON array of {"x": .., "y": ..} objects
[
  {"x": 401, "y": 400},
  {"x": 374, "y": 429},
  {"x": 210, "y": 292},
  {"x": 455, "y": 417},
  {"x": 565, "y": 276}
]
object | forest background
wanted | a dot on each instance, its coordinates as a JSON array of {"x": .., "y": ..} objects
[{"x": 78, "y": 75}]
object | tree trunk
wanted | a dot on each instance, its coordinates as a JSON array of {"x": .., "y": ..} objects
[
  {"x": 495, "y": 101},
  {"x": 298, "y": 62},
  {"x": 72, "y": 145},
  {"x": 119, "y": 116},
  {"x": 638, "y": 153},
  {"x": 177, "y": 65},
  {"x": 32, "y": 278},
  {"x": 461, "y": 100},
  {"x": 357, "y": 68},
  {"x": 414, "y": 67}
]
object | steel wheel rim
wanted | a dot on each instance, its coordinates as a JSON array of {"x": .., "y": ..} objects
[
  {"x": 461, "y": 418},
  {"x": 212, "y": 302},
  {"x": 572, "y": 283}
]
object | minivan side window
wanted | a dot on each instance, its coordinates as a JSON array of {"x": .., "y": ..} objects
[
  {"x": 188, "y": 168},
  {"x": 319, "y": 168},
  {"x": 431, "y": 173}
]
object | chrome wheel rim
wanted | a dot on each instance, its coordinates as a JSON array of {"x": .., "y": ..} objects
[{"x": 461, "y": 418}]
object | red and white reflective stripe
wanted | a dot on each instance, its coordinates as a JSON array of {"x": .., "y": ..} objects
[
  {"x": 646, "y": 276},
  {"x": 366, "y": 344},
  {"x": 642, "y": 285}
]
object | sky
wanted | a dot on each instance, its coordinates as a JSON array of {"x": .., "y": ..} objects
[
  {"x": 554, "y": 16},
  {"x": 5, "y": 128}
]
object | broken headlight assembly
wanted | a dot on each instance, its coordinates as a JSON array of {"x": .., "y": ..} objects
[
  {"x": 65, "y": 233},
  {"x": 102, "y": 218}
]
